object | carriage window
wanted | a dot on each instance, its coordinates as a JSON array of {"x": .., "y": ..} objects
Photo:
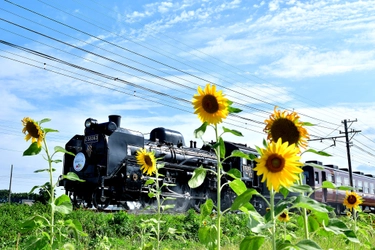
[
  {"x": 346, "y": 181},
  {"x": 329, "y": 177},
  {"x": 316, "y": 178},
  {"x": 333, "y": 178},
  {"x": 338, "y": 180},
  {"x": 371, "y": 188},
  {"x": 365, "y": 187},
  {"x": 360, "y": 186}
]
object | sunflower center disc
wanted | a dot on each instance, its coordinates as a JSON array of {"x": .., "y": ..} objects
[
  {"x": 286, "y": 130},
  {"x": 352, "y": 199},
  {"x": 32, "y": 129},
  {"x": 275, "y": 164},
  {"x": 210, "y": 104},
  {"x": 148, "y": 160}
]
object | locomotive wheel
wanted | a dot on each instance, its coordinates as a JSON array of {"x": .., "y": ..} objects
[
  {"x": 101, "y": 202},
  {"x": 182, "y": 204}
]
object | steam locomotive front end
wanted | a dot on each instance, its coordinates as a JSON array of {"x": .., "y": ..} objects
[{"x": 100, "y": 160}]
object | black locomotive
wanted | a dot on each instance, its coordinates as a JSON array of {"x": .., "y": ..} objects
[{"x": 105, "y": 159}]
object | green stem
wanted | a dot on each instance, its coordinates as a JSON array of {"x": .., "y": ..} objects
[
  {"x": 305, "y": 223},
  {"x": 52, "y": 193},
  {"x": 159, "y": 210},
  {"x": 304, "y": 213},
  {"x": 272, "y": 207},
  {"x": 354, "y": 225},
  {"x": 218, "y": 191}
]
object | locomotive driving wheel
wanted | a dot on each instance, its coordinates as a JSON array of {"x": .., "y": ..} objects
[{"x": 100, "y": 201}]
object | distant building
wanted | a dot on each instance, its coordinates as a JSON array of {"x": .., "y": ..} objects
[{"x": 27, "y": 202}]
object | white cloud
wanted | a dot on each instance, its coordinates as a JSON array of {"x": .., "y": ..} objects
[
  {"x": 273, "y": 5},
  {"x": 299, "y": 64}
]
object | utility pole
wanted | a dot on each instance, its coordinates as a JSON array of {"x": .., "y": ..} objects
[
  {"x": 10, "y": 182},
  {"x": 348, "y": 143},
  {"x": 346, "y": 132}
]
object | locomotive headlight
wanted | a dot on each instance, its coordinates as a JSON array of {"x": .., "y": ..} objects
[
  {"x": 90, "y": 122},
  {"x": 79, "y": 161}
]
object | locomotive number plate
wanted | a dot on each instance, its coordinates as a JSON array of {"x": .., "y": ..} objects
[
  {"x": 247, "y": 171},
  {"x": 91, "y": 138}
]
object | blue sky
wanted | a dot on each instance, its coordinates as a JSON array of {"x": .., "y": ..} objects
[{"x": 144, "y": 61}]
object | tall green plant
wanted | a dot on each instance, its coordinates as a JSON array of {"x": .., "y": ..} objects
[
  {"x": 49, "y": 234},
  {"x": 212, "y": 107},
  {"x": 149, "y": 165}
]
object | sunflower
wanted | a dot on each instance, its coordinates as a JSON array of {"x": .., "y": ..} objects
[
  {"x": 286, "y": 126},
  {"x": 33, "y": 130},
  {"x": 279, "y": 164},
  {"x": 284, "y": 217},
  {"x": 352, "y": 200},
  {"x": 147, "y": 161},
  {"x": 211, "y": 106}
]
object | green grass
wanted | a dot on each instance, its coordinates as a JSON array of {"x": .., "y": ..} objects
[{"x": 122, "y": 230}]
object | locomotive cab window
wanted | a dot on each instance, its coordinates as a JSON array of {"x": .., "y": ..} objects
[
  {"x": 317, "y": 178},
  {"x": 306, "y": 179}
]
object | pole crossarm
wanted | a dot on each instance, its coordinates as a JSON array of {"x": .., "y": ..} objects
[{"x": 348, "y": 144}]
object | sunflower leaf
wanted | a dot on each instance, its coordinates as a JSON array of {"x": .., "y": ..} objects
[
  {"x": 149, "y": 182},
  {"x": 307, "y": 124},
  {"x": 252, "y": 242},
  {"x": 47, "y": 130},
  {"x": 239, "y": 153},
  {"x": 265, "y": 144},
  {"x": 234, "y": 173},
  {"x": 44, "y": 120},
  {"x": 243, "y": 199},
  {"x": 233, "y": 110},
  {"x": 32, "y": 150},
  {"x": 235, "y": 132},
  {"x": 322, "y": 153},
  {"x": 32, "y": 190},
  {"x": 199, "y": 132},
  {"x": 62, "y": 150},
  {"x": 328, "y": 184},
  {"x": 238, "y": 186},
  {"x": 198, "y": 177},
  {"x": 72, "y": 176}
]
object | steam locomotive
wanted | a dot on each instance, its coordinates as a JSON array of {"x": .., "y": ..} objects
[{"x": 105, "y": 158}]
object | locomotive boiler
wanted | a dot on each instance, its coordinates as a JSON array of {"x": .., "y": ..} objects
[{"x": 104, "y": 156}]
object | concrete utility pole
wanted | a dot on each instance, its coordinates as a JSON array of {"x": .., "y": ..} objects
[
  {"x": 10, "y": 182},
  {"x": 348, "y": 143},
  {"x": 346, "y": 132}
]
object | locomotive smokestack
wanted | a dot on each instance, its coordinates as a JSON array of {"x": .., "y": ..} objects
[{"x": 116, "y": 119}]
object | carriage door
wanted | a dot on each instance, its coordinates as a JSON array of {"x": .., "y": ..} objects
[{"x": 324, "y": 178}]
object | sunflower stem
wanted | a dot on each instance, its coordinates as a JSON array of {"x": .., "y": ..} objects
[
  {"x": 272, "y": 207},
  {"x": 52, "y": 192},
  {"x": 159, "y": 208},
  {"x": 218, "y": 193},
  {"x": 304, "y": 212}
]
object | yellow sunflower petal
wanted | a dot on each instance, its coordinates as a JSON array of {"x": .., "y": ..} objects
[
  {"x": 210, "y": 105},
  {"x": 287, "y": 126},
  {"x": 279, "y": 165}
]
